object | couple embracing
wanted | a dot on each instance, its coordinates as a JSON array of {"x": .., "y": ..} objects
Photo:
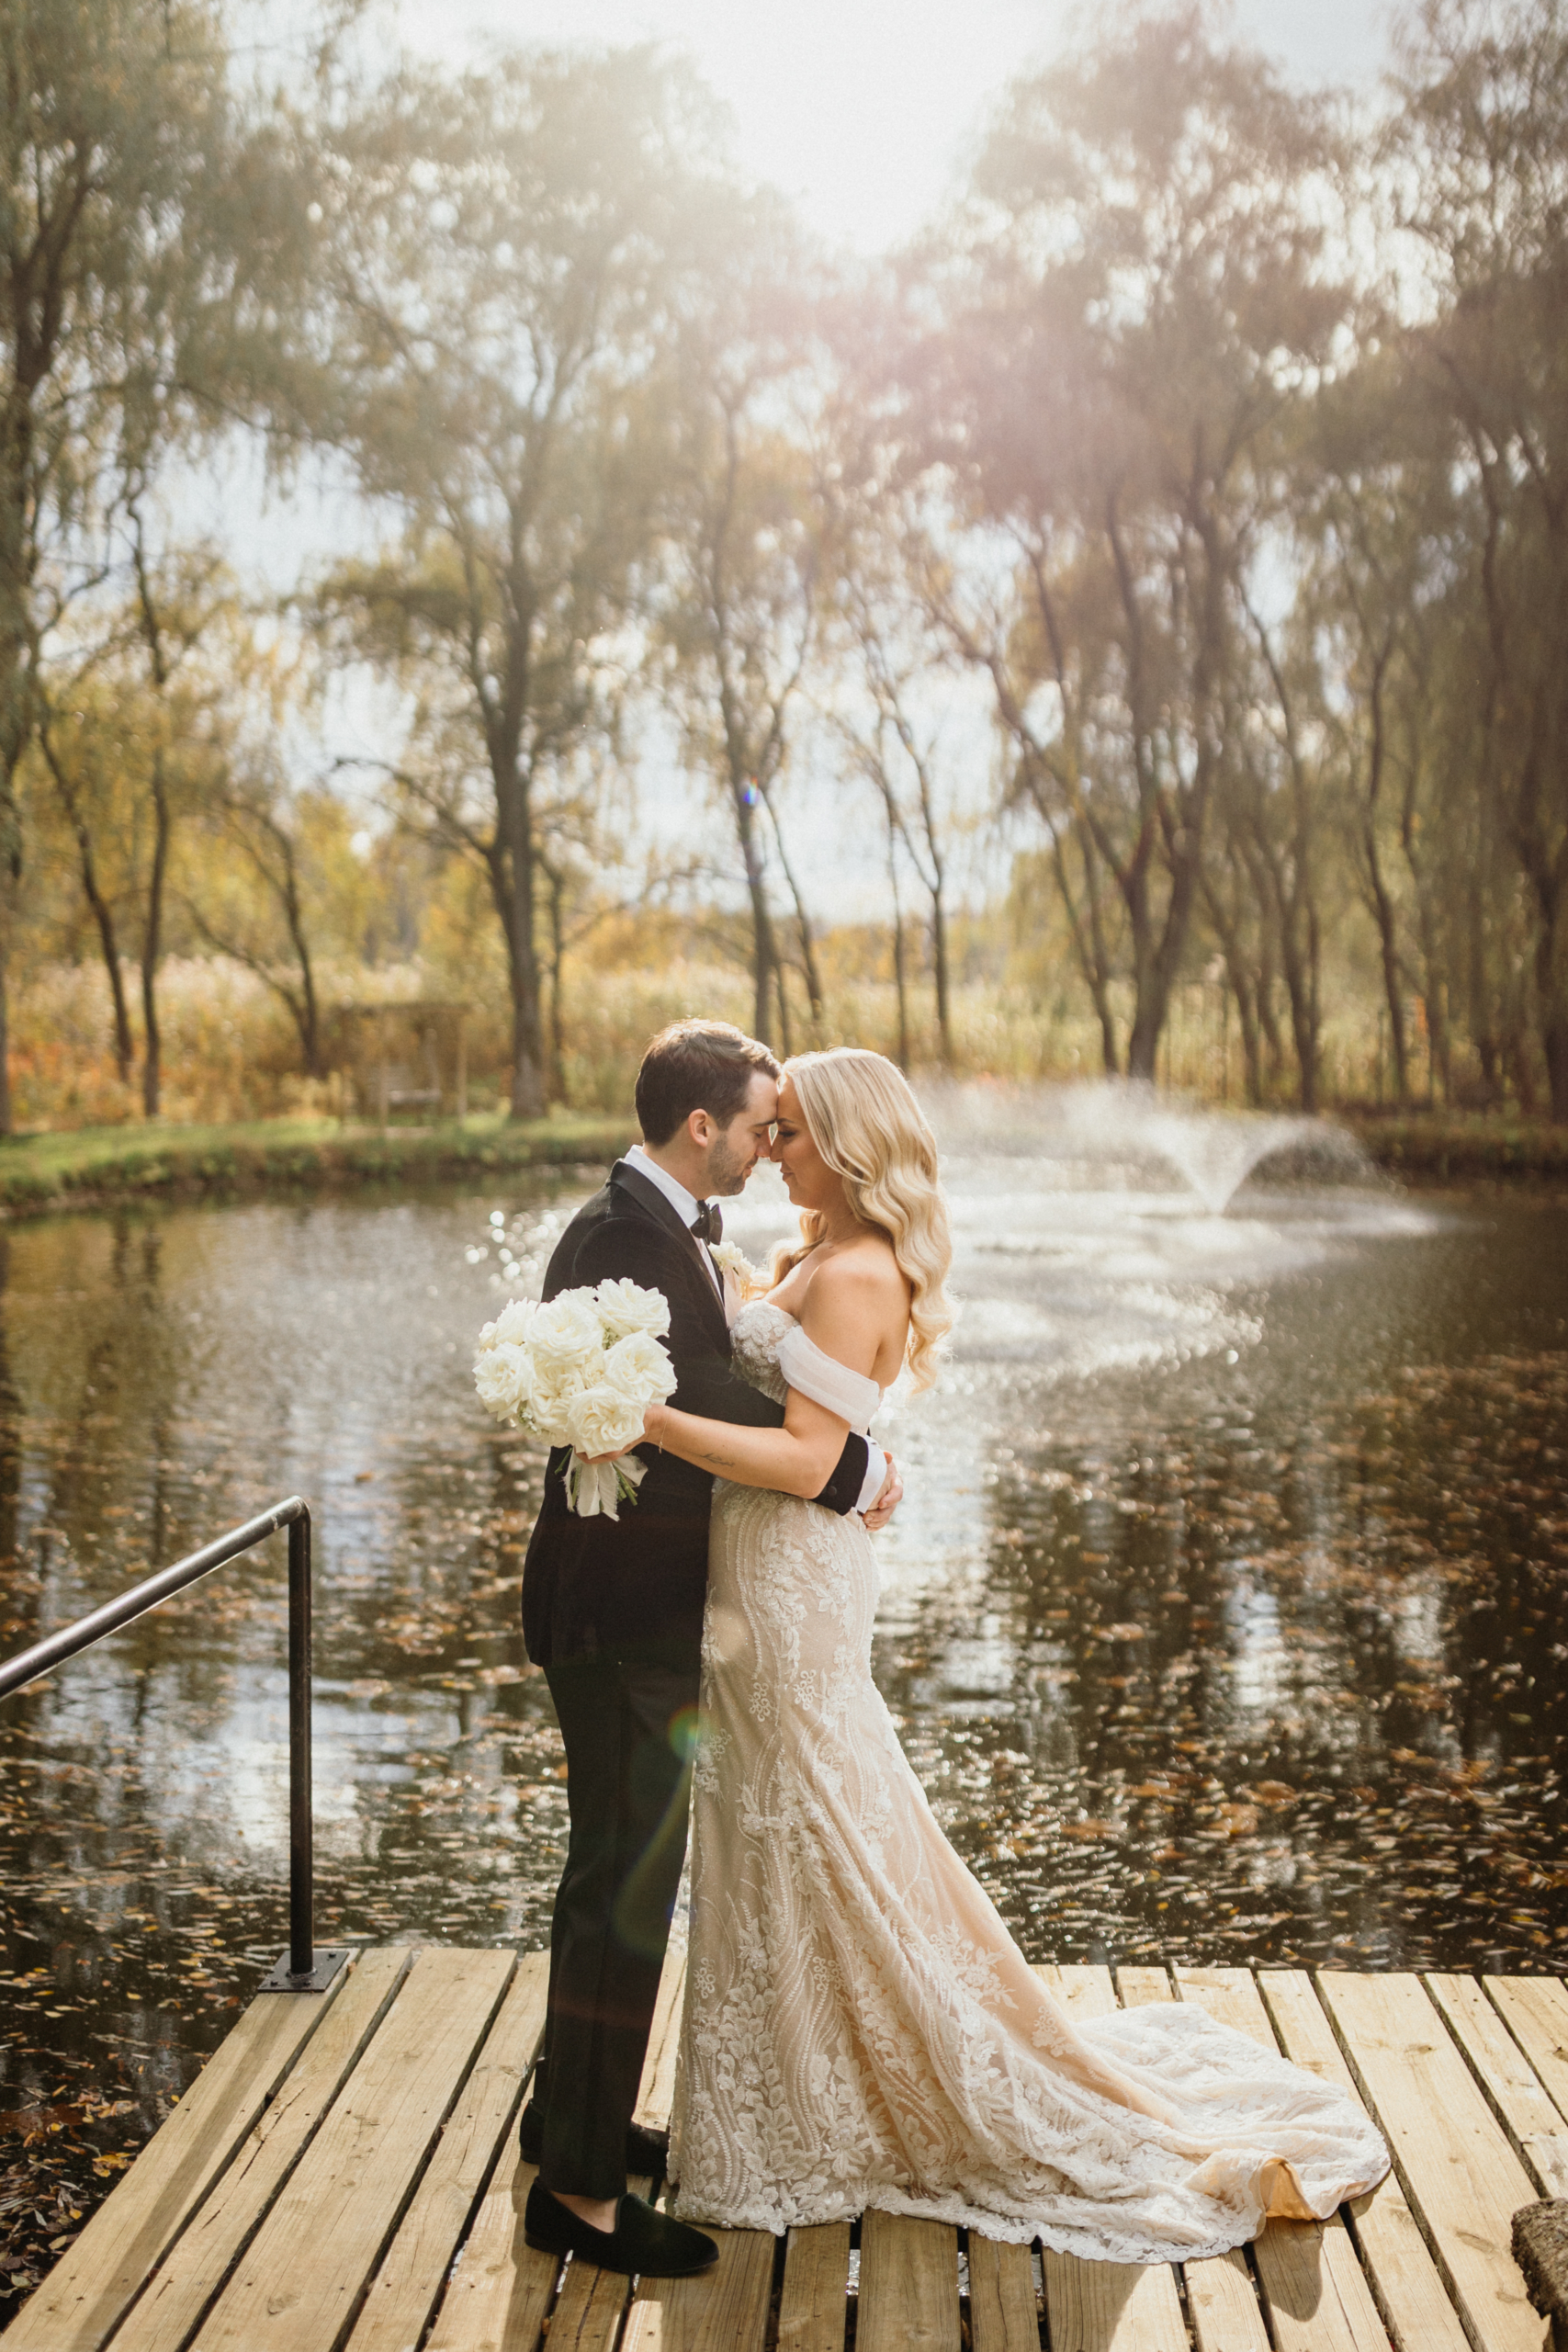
[{"x": 859, "y": 2027}]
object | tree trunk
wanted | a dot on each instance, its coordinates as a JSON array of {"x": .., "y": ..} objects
[
  {"x": 309, "y": 1018},
  {"x": 765, "y": 948},
  {"x": 782, "y": 992},
  {"x": 939, "y": 972},
  {"x": 528, "y": 1073},
  {"x": 18, "y": 554},
  {"x": 102, "y": 912},
  {"x": 5, "y": 1013},
  {"x": 1089, "y": 944},
  {"x": 1243, "y": 986},
  {"x": 1553, "y": 1000},
  {"x": 557, "y": 962},
  {"x": 900, "y": 977},
  {"x": 152, "y": 943},
  {"x": 807, "y": 949}
]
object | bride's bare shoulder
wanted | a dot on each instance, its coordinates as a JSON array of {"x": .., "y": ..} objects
[{"x": 866, "y": 1274}]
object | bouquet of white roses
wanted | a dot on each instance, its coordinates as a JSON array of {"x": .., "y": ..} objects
[{"x": 580, "y": 1372}]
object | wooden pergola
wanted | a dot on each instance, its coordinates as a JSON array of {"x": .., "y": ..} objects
[{"x": 403, "y": 1058}]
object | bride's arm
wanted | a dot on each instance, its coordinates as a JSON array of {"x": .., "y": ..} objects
[
  {"x": 795, "y": 1460},
  {"x": 845, "y": 1308}
]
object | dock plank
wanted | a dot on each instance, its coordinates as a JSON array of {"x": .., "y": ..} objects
[
  {"x": 656, "y": 2090},
  {"x": 1463, "y": 2181},
  {"x": 202, "y": 2257},
  {"x": 1506, "y": 2074},
  {"x": 340, "y": 2158},
  {"x": 1004, "y": 2314},
  {"x": 1317, "y": 2296},
  {"x": 1406, "y": 2282},
  {"x": 725, "y": 2310},
  {"x": 1535, "y": 2009},
  {"x": 502, "y": 2291},
  {"x": 478, "y": 2135},
  {"x": 1107, "y": 2306},
  {"x": 86, "y": 2295},
  {"x": 592, "y": 2302},
  {"x": 297, "y": 2285},
  {"x": 812, "y": 2304},
  {"x": 908, "y": 2285},
  {"x": 1222, "y": 2301}
]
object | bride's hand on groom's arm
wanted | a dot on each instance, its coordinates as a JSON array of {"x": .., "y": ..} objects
[{"x": 890, "y": 1495}]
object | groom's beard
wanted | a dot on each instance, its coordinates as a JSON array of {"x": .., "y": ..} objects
[{"x": 728, "y": 1170}]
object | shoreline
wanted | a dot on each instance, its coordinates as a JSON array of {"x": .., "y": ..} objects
[
  {"x": 98, "y": 1168},
  {"x": 110, "y": 1166},
  {"x": 1439, "y": 1147}
]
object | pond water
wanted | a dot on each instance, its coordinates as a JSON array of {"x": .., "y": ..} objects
[{"x": 1223, "y": 1617}]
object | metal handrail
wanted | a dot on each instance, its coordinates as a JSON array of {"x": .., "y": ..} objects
[{"x": 302, "y": 1968}]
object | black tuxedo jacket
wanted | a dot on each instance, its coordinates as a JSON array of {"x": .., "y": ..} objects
[{"x": 593, "y": 1587}]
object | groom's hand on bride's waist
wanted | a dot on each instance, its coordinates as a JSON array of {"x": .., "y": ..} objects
[{"x": 887, "y": 1501}]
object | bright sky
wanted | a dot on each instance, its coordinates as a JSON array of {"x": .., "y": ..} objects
[{"x": 861, "y": 109}]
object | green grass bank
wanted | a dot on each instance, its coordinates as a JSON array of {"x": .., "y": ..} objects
[
  {"x": 1446, "y": 1148},
  {"x": 92, "y": 1167},
  {"x": 95, "y": 1166}
]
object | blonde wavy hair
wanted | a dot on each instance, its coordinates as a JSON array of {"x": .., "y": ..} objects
[{"x": 861, "y": 1113}]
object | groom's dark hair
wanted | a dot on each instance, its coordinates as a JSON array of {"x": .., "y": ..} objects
[{"x": 697, "y": 1066}]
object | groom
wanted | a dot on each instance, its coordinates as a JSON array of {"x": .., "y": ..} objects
[{"x": 613, "y": 1611}]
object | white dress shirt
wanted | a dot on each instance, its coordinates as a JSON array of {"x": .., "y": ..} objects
[{"x": 686, "y": 1206}]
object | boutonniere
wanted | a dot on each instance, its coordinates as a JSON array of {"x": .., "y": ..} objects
[{"x": 734, "y": 1264}]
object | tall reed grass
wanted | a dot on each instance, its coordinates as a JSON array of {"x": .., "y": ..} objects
[{"x": 230, "y": 1050}]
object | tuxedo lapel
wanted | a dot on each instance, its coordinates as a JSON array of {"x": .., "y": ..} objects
[{"x": 652, "y": 1201}]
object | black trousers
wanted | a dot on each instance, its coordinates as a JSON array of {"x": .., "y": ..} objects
[{"x": 629, "y": 1725}]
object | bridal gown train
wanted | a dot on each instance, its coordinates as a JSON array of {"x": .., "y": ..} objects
[{"x": 860, "y": 2029}]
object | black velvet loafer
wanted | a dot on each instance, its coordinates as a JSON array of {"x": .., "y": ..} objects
[
  {"x": 643, "y": 2243},
  {"x": 647, "y": 2152}
]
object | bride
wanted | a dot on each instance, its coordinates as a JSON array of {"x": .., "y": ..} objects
[{"x": 859, "y": 2029}]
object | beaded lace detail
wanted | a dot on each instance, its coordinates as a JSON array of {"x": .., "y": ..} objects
[{"x": 860, "y": 2029}]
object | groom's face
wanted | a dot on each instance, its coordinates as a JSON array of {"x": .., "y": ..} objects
[{"x": 735, "y": 1149}]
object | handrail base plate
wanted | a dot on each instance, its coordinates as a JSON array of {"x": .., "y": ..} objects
[{"x": 328, "y": 1958}]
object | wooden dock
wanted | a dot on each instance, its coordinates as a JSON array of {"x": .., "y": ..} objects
[{"x": 344, "y": 2177}]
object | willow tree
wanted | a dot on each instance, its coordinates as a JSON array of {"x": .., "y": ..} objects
[
  {"x": 154, "y": 239},
  {"x": 508, "y": 250},
  {"x": 747, "y": 529},
  {"x": 1481, "y": 146},
  {"x": 1137, "y": 296}
]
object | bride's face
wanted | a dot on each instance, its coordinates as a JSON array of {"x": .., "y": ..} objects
[{"x": 808, "y": 1179}]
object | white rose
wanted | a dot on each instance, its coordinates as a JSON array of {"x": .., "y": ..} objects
[
  {"x": 511, "y": 1325},
  {"x": 567, "y": 1331},
  {"x": 553, "y": 1390},
  {"x": 502, "y": 1377},
  {"x": 602, "y": 1421},
  {"x": 625, "y": 1306},
  {"x": 640, "y": 1369}
]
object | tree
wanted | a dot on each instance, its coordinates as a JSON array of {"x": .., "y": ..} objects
[
  {"x": 882, "y": 628},
  {"x": 748, "y": 520},
  {"x": 1481, "y": 148},
  {"x": 506, "y": 252},
  {"x": 149, "y": 231},
  {"x": 1133, "y": 306}
]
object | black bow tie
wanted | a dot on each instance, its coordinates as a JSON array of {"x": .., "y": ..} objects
[{"x": 708, "y": 1224}]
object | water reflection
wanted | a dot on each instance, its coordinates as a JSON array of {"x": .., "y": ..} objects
[{"x": 1222, "y": 1618}]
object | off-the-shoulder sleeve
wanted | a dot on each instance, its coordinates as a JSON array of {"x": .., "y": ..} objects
[{"x": 826, "y": 1381}]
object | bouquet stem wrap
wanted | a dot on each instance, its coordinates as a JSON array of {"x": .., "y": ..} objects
[
  {"x": 595, "y": 1486},
  {"x": 581, "y": 1373}
]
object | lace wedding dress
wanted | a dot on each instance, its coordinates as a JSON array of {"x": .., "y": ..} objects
[{"x": 859, "y": 2029}]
